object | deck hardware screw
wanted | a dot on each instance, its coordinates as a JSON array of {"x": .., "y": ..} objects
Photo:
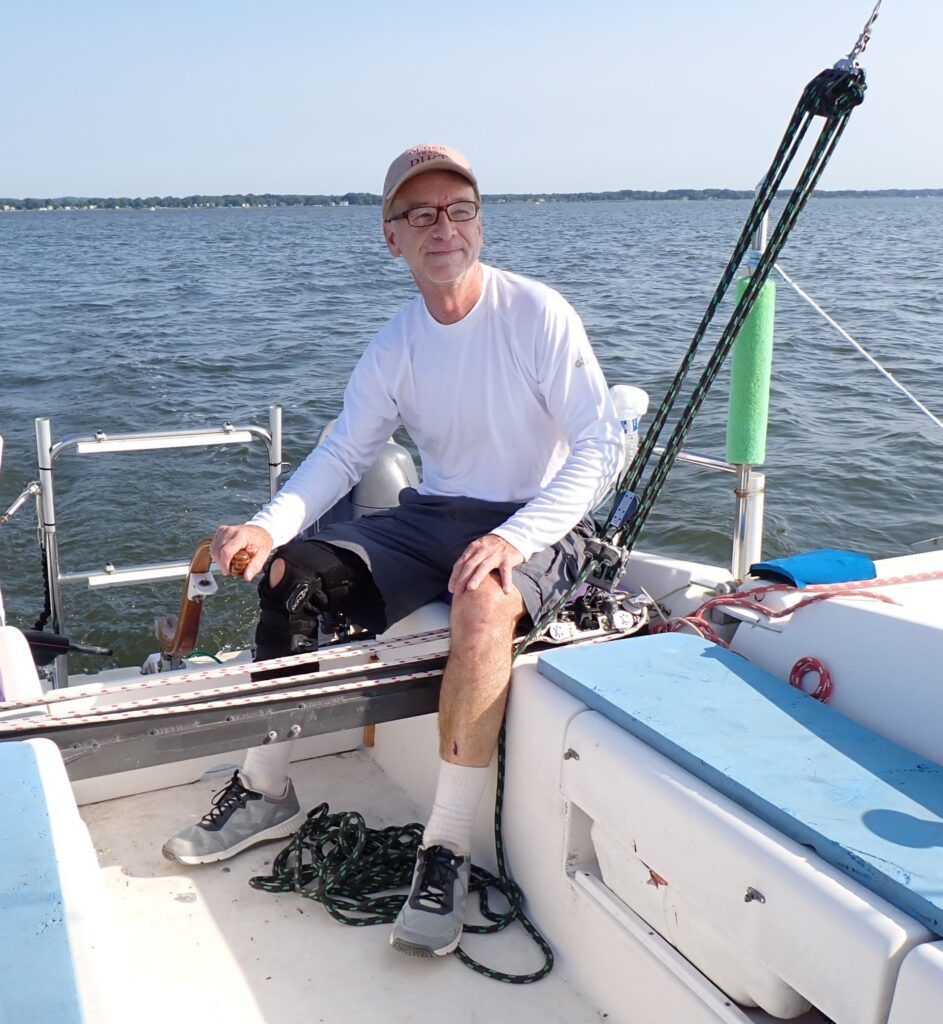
[
  {"x": 294, "y": 731},
  {"x": 753, "y": 896},
  {"x": 271, "y": 737},
  {"x": 571, "y": 755}
]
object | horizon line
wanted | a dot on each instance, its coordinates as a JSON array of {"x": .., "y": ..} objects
[{"x": 370, "y": 198}]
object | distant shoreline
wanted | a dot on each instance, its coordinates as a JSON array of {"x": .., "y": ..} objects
[{"x": 250, "y": 200}]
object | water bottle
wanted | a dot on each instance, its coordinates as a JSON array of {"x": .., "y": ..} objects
[{"x": 631, "y": 404}]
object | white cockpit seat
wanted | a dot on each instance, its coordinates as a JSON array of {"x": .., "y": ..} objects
[{"x": 782, "y": 847}]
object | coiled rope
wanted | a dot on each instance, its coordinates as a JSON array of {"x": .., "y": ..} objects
[
  {"x": 338, "y": 861},
  {"x": 802, "y": 668}
]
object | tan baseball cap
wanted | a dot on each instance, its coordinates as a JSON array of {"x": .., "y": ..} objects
[{"x": 430, "y": 156}]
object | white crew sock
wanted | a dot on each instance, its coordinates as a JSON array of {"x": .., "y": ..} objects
[
  {"x": 265, "y": 769},
  {"x": 457, "y": 796}
]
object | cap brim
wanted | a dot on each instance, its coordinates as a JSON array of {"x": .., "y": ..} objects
[{"x": 437, "y": 165}]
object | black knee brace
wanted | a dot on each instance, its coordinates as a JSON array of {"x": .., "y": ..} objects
[{"x": 319, "y": 580}]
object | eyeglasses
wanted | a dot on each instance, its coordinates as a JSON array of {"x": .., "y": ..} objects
[{"x": 426, "y": 216}]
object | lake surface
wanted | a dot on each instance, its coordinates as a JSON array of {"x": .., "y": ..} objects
[{"x": 139, "y": 320}]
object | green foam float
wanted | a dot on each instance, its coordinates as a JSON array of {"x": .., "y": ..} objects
[{"x": 748, "y": 410}]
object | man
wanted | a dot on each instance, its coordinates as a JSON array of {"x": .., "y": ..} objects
[{"x": 493, "y": 377}]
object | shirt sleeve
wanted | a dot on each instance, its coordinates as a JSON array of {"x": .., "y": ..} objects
[
  {"x": 367, "y": 421},
  {"x": 574, "y": 390}
]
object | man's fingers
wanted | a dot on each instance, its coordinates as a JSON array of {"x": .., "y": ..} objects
[
  {"x": 483, "y": 569},
  {"x": 229, "y": 541},
  {"x": 459, "y": 577},
  {"x": 226, "y": 542},
  {"x": 476, "y": 577},
  {"x": 221, "y": 558},
  {"x": 462, "y": 570},
  {"x": 254, "y": 567},
  {"x": 483, "y": 556},
  {"x": 216, "y": 550},
  {"x": 226, "y": 553}
]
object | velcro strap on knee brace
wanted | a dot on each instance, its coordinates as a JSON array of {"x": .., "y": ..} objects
[
  {"x": 315, "y": 580},
  {"x": 273, "y": 633},
  {"x": 318, "y": 579}
]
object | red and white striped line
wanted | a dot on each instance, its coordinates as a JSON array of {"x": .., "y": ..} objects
[
  {"x": 55, "y": 722},
  {"x": 239, "y": 669}
]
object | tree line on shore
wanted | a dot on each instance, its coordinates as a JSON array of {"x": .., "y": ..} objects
[
  {"x": 369, "y": 199},
  {"x": 154, "y": 202}
]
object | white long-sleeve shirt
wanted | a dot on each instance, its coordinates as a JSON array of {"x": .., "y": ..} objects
[{"x": 508, "y": 405}]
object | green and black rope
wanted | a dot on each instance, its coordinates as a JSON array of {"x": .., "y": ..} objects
[
  {"x": 45, "y": 615},
  {"x": 350, "y": 869},
  {"x": 832, "y": 94},
  {"x": 815, "y": 165}
]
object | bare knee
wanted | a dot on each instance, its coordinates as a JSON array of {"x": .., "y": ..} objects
[
  {"x": 480, "y": 617},
  {"x": 276, "y": 573}
]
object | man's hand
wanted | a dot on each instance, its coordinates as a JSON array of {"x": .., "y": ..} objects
[
  {"x": 227, "y": 540},
  {"x": 483, "y": 556}
]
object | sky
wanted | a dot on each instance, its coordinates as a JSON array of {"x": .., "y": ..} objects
[{"x": 181, "y": 97}]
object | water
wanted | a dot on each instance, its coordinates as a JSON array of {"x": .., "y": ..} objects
[{"x": 138, "y": 320}]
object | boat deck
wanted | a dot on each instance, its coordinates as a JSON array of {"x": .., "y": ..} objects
[{"x": 199, "y": 941}]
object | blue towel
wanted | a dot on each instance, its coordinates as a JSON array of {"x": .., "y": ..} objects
[{"x": 828, "y": 565}]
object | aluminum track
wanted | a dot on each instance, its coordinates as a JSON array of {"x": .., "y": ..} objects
[
  {"x": 170, "y": 727},
  {"x": 305, "y": 700}
]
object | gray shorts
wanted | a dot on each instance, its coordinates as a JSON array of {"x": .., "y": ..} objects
[{"x": 410, "y": 550}]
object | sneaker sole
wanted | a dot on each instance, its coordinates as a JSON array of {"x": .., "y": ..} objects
[
  {"x": 279, "y": 831},
  {"x": 424, "y": 952}
]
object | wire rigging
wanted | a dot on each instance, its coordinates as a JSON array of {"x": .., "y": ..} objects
[{"x": 841, "y": 330}]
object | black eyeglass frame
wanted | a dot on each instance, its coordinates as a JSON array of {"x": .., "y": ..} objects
[{"x": 439, "y": 210}]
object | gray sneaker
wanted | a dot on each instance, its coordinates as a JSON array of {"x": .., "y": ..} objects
[
  {"x": 430, "y": 923},
  {"x": 238, "y": 819}
]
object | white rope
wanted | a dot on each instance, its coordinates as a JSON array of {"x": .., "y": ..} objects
[{"x": 841, "y": 330}]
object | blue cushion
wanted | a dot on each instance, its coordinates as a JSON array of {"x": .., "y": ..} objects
[
  {"x": 827, "y": 565},
  {"x": 866, "y": 805},
  {"x": 37, "y": 975}
]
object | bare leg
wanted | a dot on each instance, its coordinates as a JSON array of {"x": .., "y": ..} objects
[
  {"x": 475, "y": 683},
  {"x": 471, "y": 708}
]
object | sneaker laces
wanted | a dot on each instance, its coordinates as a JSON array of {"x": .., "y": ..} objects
[
  {"x": 439, "y": 871},
  {"x": 226, "y": 801}
]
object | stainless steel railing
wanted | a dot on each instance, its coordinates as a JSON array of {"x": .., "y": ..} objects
[
  {"x": 102, "y": 443},
  {"x": 747, "y": 529},
  {"x": 750, "y": 499}
]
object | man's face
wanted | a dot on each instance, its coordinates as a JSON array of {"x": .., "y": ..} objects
[{"x": 443, "y": 253}]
